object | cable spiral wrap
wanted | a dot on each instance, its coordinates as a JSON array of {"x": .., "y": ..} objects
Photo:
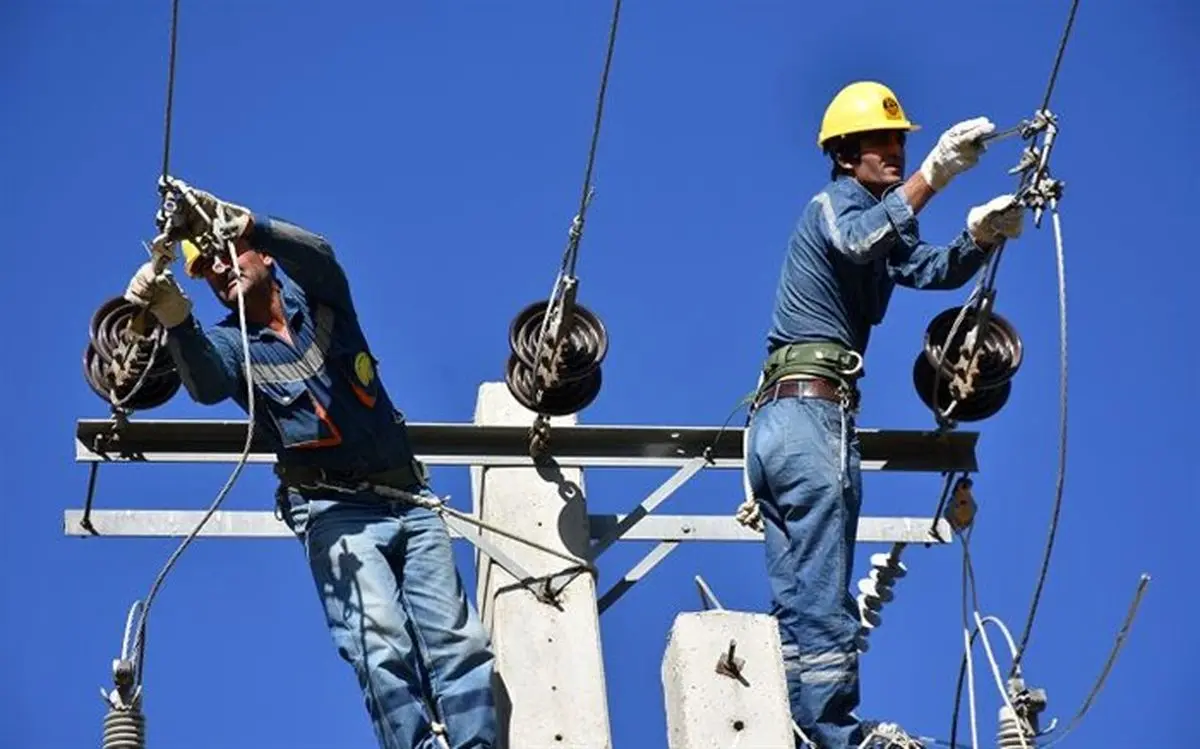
[
  {"x": 124, "y": 729},
  {"x": 577, "y": 379},
  {"x": 148, "y": 376},
  {"x": 1000, "y": 352}
]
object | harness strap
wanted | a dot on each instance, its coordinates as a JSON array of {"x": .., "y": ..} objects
[
  {"x": 413, "y": 476},
  {"x": 824, "y": 359}
]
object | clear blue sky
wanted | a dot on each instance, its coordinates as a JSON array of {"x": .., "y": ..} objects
[{"x": 440, "y": 146}]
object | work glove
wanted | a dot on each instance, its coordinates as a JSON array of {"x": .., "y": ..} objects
[
  {"x": 230, "y": 221},
  {"x": 1000, "y": 217},
  {"x": 956, "y": 151},
  {"x": 160, "y": 293}
]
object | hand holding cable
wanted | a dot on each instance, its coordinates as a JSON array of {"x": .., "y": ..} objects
[
  {"x": 1000, "y": 218},
  {"x": 195, "y": 213},
  {"x": 160, "y": 294},
  {"x": 956, "y": 151}
]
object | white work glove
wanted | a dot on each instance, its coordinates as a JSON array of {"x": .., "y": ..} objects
[
  {"x": 231, "y": 220},
  {"x": 160, "y": 293},
  {"x": 955, "y": 152},
  {"x": 1002, "y": 216}
]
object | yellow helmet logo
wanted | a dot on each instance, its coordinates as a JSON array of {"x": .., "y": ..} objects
[
  {"x": 891, "y": 108},
  {"x": 364, "y": 369}
]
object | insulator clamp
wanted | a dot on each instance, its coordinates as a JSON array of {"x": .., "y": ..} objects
[
  {"x": 975, "y": 377},
  {"x": 126, "y": 369},
  {"x": 564, "y": 377}
]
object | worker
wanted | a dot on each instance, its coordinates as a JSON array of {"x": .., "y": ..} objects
[
  {"x": 392, "y": 597},
  {"x": 855, "y": 241}
]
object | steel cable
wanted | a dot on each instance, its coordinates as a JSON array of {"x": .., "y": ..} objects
[
  {"x": 124, "y": 724},
  {"x": 557, "y": 346}
]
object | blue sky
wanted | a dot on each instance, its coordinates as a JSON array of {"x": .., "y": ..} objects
[{"x": 440, "y": 147}]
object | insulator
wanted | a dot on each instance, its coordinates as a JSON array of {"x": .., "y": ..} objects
[
  {"x": 999, "y": 355},
  {"x": 576, "y": 379},
  {"x": 124, "y": 728},
  {"x": 876, "y": 589},
  {"x": 124, "y": 368},
  {"x": 1010, "y": 734}
]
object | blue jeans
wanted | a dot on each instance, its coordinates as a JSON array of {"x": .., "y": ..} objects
[
  {"x": 810, "y": 509},
  {"x": 398, "y": 613}
]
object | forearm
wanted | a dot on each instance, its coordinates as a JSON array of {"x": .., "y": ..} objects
[
  {"x": 917, "y": 192},
  {"x": 306, "y": 257},
  {"x": 208, "y": 371},
  {"x": 939, "y": 267}
]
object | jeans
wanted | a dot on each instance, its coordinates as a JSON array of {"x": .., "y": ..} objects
[
  {"x": 399, "y": 615},
  {"x": 810, "y": 505}
]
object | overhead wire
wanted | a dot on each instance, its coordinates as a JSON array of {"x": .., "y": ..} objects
[{"x": 139, "y": 643}]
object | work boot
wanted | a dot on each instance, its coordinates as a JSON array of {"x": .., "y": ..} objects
[{"x": 881, "y": 735}]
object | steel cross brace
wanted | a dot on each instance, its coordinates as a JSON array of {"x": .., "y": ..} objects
[{"x": 659, "y": 552}]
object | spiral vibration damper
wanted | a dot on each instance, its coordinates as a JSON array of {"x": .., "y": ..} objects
[
  {"x": 128, "y": 370},
  {"x": 570, "y": 371},
  {"x": 976, "y": 376}
]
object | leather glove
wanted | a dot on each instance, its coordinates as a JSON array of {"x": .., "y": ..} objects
[
  {"x": 956, "y": 151},
  {"x": 160, "y": 293},
  {"x": 229, "y": 219},
  {"x": 1000, "y": 217}
]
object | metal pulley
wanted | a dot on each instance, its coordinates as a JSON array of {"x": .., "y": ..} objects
[
  {"x": 980, "y": 361},
  {"x": 128, "y": 369},
  {"x": 554, "y": 367}
]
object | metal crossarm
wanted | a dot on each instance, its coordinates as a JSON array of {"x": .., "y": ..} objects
[
  {"x": 448, "y": 443},
  {"x": 251, "y": 524}
]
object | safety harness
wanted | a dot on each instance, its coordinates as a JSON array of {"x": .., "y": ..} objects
[{"x": 826, "y": 360}]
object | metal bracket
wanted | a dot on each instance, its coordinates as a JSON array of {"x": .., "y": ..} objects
[
  {"x": 730, "y": 665},
  {"x": 647, "y": 505}
]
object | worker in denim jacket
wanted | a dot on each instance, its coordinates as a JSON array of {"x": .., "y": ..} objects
[
  {"x": 394, "y": 602},
  {"x": 855, "y": 241}
]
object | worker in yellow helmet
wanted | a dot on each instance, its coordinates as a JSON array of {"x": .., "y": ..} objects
[
  {"x": 855, "y": 241},
  {"x": 384, "y": 569}
]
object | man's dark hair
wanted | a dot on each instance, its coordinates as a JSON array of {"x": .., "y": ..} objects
[{"x": 845, "y": 148}]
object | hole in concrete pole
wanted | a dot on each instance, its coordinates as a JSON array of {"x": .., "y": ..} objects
[
  {"x": 558, "y": 737},
  {"x": 738, "y": 725}
]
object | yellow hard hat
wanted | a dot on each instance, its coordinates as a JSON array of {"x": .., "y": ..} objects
[
  {"x": 191, "y": 253},
  {"x": 863, "y": 106}
]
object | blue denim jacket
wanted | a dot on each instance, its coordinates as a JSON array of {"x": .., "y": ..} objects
[
  {"x": 319, "y": 403},
  {"x": 846, "y": 255}
]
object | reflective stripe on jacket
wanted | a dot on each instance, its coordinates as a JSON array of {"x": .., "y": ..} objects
[{"x": 319, "y": 400}]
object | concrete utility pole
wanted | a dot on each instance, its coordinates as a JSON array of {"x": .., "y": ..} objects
[{"x": 550, "y": 672}]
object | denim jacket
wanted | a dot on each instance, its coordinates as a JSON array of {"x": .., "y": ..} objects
[
  {"x": 318, "y": 402},
  {"x": 846, "y": 255}
]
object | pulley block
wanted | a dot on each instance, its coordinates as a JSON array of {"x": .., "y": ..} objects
[
  {"x": 574, "y": 375},
  {"x": 978, "y": 376},
  {"x": 126, "y": 369}
]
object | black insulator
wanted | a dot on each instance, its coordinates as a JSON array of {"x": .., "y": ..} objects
[
  {"x": 124, "y": 729},
  {"x": 999, "y": 357},
  {"x": 144, "y": 376},
  {"x": 577, "y": 378}
]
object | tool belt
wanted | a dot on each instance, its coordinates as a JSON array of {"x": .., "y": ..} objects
[
  {"x": 819, "y": 369},
  {"x": 414, "y": 476}
]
